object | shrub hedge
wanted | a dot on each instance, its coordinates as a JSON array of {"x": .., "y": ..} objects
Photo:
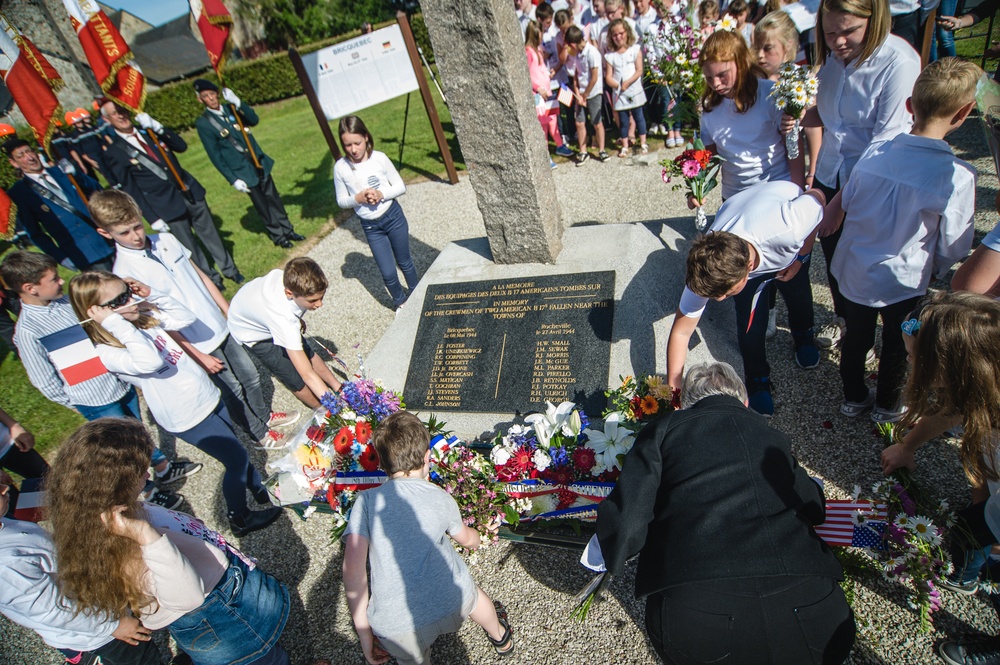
[{"x": 269, "y": 78}]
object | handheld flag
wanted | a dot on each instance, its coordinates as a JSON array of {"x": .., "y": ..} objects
[
  {"x": 215, "y": 25},
  {"x": 32, "y": 81},
  {"x": 74, "y": 355}
]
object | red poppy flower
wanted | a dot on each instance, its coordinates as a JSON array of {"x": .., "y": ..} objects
[
  {"x": 343, "y": 440},
  {"x": 315, "y": 433},
  {"x": 369, "y": 459},
  {"x": 363, "y": 432},
  {"x": 584, "y": 459},
  {"x": 331, "y": 497}
]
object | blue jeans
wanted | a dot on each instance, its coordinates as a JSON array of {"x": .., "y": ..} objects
[
  {"x": 239, "y": 384},
  {"x": 389, "y": 238},
  {"x": 214, "y": 435},
  {"x": 240, "y": 621},
  {"x": 126, "y": 407},
  {"x": 944, "y": 43},
  {"x": 640, "y": 120}
]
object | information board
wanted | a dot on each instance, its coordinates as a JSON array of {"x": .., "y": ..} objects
[
  {"x": 361, "y": 72},
  {"x": 510, "y": 345}
]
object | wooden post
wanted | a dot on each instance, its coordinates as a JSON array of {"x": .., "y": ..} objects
[
  {"x": 928, "y": 38},
  {"x": 307, "y": 87},
  {"x": 170, "y": 164},
  {"x": 425, "y": 92}
]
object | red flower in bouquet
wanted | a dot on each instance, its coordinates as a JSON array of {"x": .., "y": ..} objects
[
  {"x": 609, "y": 476},
  {"x": 521, "y": 460},
  {"x": 703, "y": 157},
  {"x": 558, "y": 475},
  {"x": 315, "y": 433},
  {"x": 508, "y": 472},
  {"x": 565, "y": 499},
  {"x": 584, "y": 459},
  {"x": 635, "y": 404},
  {"x": 331, "y": 497},
  {"x": 343, "y": 440},
  {"x": 363, "y": 432},
  {"x": 369, "y": 459}
]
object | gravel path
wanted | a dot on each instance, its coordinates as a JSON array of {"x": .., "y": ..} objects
[{"x": 536, "y": 583}]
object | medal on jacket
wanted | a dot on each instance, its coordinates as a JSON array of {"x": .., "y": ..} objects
[
  {"x": 224, "y": 133},
  {"x": 45, "y": 208},
  {"x": 134, "y": 162}
]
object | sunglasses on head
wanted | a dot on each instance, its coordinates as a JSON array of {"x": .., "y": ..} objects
[{"x": 120, "y": 300}]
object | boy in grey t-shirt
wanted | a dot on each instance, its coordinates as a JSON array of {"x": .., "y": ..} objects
[{"x": 420, "y": 587}]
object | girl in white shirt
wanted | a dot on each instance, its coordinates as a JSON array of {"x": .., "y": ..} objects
[
  {"x": 366, "y": 181},
  {"x": 865, "y": 77},
  {"x": 131, "y": 340},
  {"x": 623, "y": 74},
  {"x": 738, "y": 121},
  {"x": 117, "y": 557}
]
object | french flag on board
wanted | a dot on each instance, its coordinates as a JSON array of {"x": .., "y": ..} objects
[
  {"x": 74, "y": 355},
  {"x": 30, "y": 501},
  {"x": 839, "y": 529}
]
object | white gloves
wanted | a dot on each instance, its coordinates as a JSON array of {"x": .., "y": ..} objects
[
  {"x": 67, "y": 167},
  {"x": 241, "y": 186},
  {"x": 146, "y": 122},
  {"x": 231, "y": 97},
  {"x": 160, "y": 226},
  {"x": 68, "y": 264}
]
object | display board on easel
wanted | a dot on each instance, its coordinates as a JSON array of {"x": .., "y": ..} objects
[{"x": 348, "y": 77}]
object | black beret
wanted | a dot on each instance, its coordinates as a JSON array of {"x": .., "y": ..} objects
[{"x": 201, "y": 85}]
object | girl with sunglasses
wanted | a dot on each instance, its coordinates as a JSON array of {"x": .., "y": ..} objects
[{"x": 132, "y": 341}]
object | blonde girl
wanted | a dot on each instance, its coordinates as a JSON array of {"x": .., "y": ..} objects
[{"x": 623, "y": 75}]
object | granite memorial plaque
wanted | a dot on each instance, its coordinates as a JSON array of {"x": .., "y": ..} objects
[{"x": 510, "y": 345}]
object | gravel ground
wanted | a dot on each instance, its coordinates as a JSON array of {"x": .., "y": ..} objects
[{"x": 537, "y": 583}]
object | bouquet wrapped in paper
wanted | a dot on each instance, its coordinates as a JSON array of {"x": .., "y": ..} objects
[
  {"x": 794, "y": 92},
  {"x": 699, "y": 170}
]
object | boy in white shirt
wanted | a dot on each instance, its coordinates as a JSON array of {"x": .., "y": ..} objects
[
  {"x": 909, "y": 204},
  {"x": 588, "y": 86},
  {"x": 160, "y": 261},
  {"x": 763, "y": 233},
  {"x": 266, "y": 317}
]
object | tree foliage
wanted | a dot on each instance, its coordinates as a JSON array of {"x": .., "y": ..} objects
[{"x": 290, "y": 23}]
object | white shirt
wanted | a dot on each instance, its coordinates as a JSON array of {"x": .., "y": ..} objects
[
  {"x": 775, "y": 218},
  {"x": 583, "y": 63},
  {"x": 378, "y": 172},
  {"x": 751, "y": 142},
  {"x": 137, "y": 142},
  {"x": 622, "y": 68},
  {"x": 644, "y": 23},
  {"x": 261, "y": 311},
  {"x": 29, "y": 595},
  {"x": 48, "y": 182},
  {"x": 165, "y": 265},
  {"x": 861, "y": 104},
  {"x": 909, "y": 206},
  {"x": 177, "y": 390}
]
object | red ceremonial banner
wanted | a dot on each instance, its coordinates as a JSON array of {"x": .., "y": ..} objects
[
  {"x": 109, "y": 56},
  {"x": 8, "y": 216},
  {"x": 33, "y": 83},
  {"x": 214, "y": 23}
]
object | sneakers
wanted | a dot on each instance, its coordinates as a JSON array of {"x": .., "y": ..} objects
[
  {"x": 164, "y": 499},
  {"x": 603, "y": 156},
  {"x": 582, "y": 157},
  {"x": 806, "y": 352},
  {"x": 253, "y": 520},
  {"x": 971, "y": 652},
  {"x": 759, "y": 396},
  {"x": 855, "y": 409},
  {"x": 882, "y": 416},
  {"x": 552, "y": 163},
  {"x": 563, "y": 151},
  {"x": 273, "y": 440},
  {"x": 961, "y": 588},
  {"x": 830, "y": 334},
  {"x": 772, "y": 324},
  {"x": 282, "y": 418},
  {"x": 178, "y": 470}
]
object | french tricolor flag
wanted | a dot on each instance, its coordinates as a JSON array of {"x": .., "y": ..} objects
[
  {"x": 30, "y": 501},
  {"x": 74, "y": 355}
]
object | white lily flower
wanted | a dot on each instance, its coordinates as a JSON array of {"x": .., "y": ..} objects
[
  {"x": 610, "y": 443},
  {"x": 554, "y": 420}
]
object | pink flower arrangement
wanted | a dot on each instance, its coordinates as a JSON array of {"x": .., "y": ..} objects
[{"x": 690, "y": 168}]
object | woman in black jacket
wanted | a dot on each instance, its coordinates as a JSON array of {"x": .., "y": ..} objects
[{"x": 721, "y": 517}]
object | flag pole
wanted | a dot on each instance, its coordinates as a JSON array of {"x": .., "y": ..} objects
[
  {"x": 243, "y": 130},
  {"x": 170, "y": 164}
]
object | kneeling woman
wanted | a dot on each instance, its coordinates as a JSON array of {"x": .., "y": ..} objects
[
  {"x": 720, "y": 515},
  {"x": 117, "y": 556}
]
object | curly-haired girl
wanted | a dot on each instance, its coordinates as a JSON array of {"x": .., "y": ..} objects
[{"x": 165, "y": 568}]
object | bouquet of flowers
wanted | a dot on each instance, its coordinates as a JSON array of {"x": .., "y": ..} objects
[
  {"x": 794, "y": 92},
  {"x": 699, "y": 169},
  {"x": 671, "y": 57},
  {"x": 637, "y": 400}
]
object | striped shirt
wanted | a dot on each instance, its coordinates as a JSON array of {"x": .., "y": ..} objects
[{"x": 36, "y": 322}]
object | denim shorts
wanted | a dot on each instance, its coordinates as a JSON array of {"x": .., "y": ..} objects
[{"x": 240, "y": 620}]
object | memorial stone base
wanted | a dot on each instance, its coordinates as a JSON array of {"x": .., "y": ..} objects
[{"x": 479, "y": 344}]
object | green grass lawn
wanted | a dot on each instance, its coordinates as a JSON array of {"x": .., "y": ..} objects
[
  {"x": 970, "y": 43},
  {"x": 303, "y": 172}
]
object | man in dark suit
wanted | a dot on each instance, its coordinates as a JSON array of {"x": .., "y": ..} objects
[
  {"x": 720, "y": 514},
  {"x": 144, "y": 165},
  {"x": 220, "y": 132},
  {"x": 53, "y": 213}
]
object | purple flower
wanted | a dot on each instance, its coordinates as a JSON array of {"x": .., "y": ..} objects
[{"x": 690, "y": 168}]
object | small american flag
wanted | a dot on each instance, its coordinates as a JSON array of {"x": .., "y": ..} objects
[{"x": 839, "y": 529}]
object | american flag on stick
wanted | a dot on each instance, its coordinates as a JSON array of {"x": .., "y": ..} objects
[{"x": 840, "y": 530}]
